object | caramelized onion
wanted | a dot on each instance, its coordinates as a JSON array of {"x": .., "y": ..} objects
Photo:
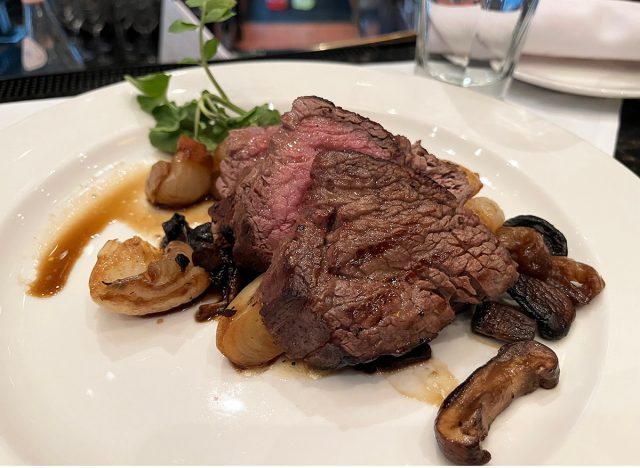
[
  {"x": 183, "y": 181},
  {"x": 489, "y": 212},
  {"x": 578, "y": 281},
  {"x": 243, "y": 338},
  {"x": 135, "y": 278}
]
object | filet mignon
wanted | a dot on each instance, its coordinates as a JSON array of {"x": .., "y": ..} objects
[
  {"x": 263, "y": 207},
  {"x": 378, "y": 254}
]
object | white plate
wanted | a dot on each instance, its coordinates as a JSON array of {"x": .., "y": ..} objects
[
  {"x": 597, "y": 78},
  {"x": 80, "y": 385}
]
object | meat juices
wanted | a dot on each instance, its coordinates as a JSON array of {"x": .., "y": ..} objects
[
  {"x": 378, "y": 254},
  {"x": 262, "y": 208}
]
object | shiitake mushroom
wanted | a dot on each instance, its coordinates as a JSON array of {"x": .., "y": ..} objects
[
  {"x": 555, "y": 241},
  {"x": 551, "y": 308},
  {"x": 465, "y": 416},
  {"x": 579, "y": 281},
  {"x": 205, "y": 251},
  {"x": 212, "y": 254},
  {"x": 528, "y": 249},
  {"x": 503, "y": 322}
]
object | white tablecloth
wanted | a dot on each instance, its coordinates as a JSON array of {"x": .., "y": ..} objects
[{"x": 595, "y": 120}]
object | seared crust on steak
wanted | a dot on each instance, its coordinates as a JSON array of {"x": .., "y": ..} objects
[
  {"x": 443, "y": 172},
  {"x": 377, "y": 255}
]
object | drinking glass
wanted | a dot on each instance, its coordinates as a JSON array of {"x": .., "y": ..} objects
[
  {"x": 145, "y": 22},
  {"x": 472, "y": 43}
]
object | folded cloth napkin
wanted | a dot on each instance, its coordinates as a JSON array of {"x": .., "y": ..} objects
[
  {"x": 588, "y": 29},
  {"x": 593, "y": 29}
]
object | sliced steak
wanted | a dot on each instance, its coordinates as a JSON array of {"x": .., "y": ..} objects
[
  {"x": 238, "y": 152},
  {"x": 262, "y": 208},
  {"x": 377, "y": 255},
  {"x": 446, "y": 173},
  {"x": 264, "y": 205}
]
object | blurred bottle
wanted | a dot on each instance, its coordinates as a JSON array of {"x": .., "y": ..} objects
[
  {"x": 387, "y": 16},
  {"x": 304, "y": 5},
  {"x": 10, "y": 38},
  {"x": 277, "y": 5},
  {"x": 45, "y": 47}
]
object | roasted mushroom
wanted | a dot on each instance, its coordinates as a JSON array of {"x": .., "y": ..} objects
[
  {"x": 212, "y": 254},
  {"x": 465, "y": 416},
  {"x": 579, "y": 281},
  {"x": 206, "y": 253},
  {"x": 135, "y": 278},
  {"x": 553, "y": 310},
  {"x": 528, "y": 250},
  {"x": 553, "y": 238},
  {"x": 503, "y": 322},
  {"x": 183, "y": 181}
]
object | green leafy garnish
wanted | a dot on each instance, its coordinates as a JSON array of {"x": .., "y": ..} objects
[
  {"x": 153, "y": 89},
  {"x": 209, "y": 118},
  {"x": 179, "y": 26}
]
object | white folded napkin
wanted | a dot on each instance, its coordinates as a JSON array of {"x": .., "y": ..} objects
[
  {"x": 588, "y": 29},
  {"x": 591, "y": 29}
]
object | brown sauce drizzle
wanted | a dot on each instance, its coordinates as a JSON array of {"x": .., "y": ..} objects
[
  {"x": 121, "y": 199},
  {"x": 209, "y": 312}
]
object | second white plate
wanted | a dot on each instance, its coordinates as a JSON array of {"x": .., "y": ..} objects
[{"x": 596, "y": 78}]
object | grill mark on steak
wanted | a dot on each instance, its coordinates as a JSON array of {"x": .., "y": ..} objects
[
  {"x": 263, "y": 207},
  {"x": 383, "y": 252}
]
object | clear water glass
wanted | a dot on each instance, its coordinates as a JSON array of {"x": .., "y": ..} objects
[{"x": 472, "y": 43}]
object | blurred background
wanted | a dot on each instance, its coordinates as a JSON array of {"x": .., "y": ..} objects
[
  {"x": 88, "y": 34},
  {"x": 54, "y": 48}
]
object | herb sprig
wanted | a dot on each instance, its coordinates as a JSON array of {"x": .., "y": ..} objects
[{"x": 209, "y": 118}]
